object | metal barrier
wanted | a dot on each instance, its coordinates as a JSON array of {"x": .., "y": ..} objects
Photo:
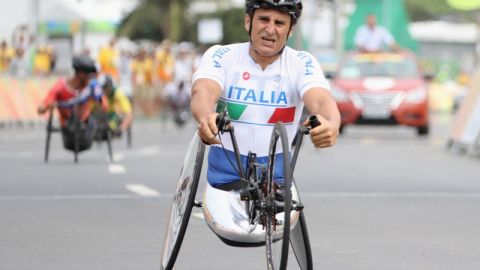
[
  {"x": 19, "y": 99},
  {"x": 465, "y": 134}
]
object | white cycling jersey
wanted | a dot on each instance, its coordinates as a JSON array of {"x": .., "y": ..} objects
[{"x": 256, "y": 99}]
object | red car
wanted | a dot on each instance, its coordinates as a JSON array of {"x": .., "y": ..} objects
[{"x": 382, "y": 88}]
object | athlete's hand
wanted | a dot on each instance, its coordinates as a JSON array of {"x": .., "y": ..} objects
[
  {"x": 43, "y": 109},
  {"x": 324, "y": 135},
  {"x": 207, "y": 129}
]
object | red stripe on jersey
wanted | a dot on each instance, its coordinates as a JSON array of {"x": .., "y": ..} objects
[{"x": 284, "y": 115}]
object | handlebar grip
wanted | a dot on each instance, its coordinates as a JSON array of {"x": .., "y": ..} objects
[
  {"x": 222, "y": 121},
  {"x": 313, "y": 121}
]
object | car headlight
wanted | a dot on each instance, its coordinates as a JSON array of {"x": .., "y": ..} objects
[{"x": 416, "y": 95}]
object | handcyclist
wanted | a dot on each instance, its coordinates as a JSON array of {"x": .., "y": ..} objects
[
  {"x": 119, "y": 108},
  {"x": 178, "y": 98},
  {"x": 79, "y": 94},
  {"x": 261, "y": 81}
]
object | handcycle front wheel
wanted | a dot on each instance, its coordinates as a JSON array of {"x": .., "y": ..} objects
[
  {"x": 277, "y": 225},
  {"x": 183, "y": 201}
]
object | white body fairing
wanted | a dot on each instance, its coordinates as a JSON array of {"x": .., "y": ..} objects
[{"x": 226, "y": 216}]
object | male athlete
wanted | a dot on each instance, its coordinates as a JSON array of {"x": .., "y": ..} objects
[
  {"x": 77, "y": 95},
  {"x": 262, "y": 81}
]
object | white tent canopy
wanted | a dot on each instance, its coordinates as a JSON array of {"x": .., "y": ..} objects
[{"x": 88, "y": 10}]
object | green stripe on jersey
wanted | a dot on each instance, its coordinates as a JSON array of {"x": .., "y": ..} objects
[{"x": 235, "y": 110}]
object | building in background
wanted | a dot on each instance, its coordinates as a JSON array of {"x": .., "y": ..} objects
[{"x": 445, "y": 43}]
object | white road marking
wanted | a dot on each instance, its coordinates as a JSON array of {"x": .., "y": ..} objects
[
  {"x": 116, "y": 168},
  {"x": 143, "y": 190},
  {"x": 151, "y": 150}
]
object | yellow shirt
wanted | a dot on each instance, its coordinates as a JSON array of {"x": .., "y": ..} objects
[
  {"x": 143, "y": 71},
  {"x": 107, "y": 58},
  {"x": 164, "y": 63},
  {"x": 6, "y": 56},
  {"x": 41, "y": 61},
  {"x": 119, "y": 103}
]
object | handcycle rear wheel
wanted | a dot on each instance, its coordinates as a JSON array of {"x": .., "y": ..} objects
[
  {"x": 277, "y": 226},
  {"x": 183, "y": 201},
  {"x": 49, "y": 133},
  {"x": 129, "y": 136},
  {"x": 76, "y": 131},
  {"x": 104, "y": 128}
]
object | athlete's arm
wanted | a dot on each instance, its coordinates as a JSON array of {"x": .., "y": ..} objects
[
  {"x": 319, "y": 102},
  {"x": 205, "y": 93},
  {"x": 126, "y": 110},
  {"x": 49, "y": 100}
]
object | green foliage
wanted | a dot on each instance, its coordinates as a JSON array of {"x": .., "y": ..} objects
[
  {"x": 433, "y": 10},
  {"x": 144, "y": 22},
  {"x": 156, "y": 20}
]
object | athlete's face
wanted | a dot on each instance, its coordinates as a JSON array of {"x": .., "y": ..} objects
[
  {"x": 270, "y": 31},
  {"x": 84, "y": 78}
]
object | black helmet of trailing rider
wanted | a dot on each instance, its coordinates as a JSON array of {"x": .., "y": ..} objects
[{"x": 83, "y": 63}]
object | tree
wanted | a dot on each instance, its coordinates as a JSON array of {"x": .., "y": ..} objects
[
  {"x": 156, "y": 20},
  {"x": 426, "y": 10}
]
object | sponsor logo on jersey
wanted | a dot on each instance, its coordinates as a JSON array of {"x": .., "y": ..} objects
[{"x": 246, "y": 76}]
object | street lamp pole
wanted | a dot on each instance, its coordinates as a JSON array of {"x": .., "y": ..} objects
[{"x": 35, "y": 14}]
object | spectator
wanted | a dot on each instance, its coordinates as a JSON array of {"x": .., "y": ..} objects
[
  {"x": 52, "y": 56},
  {"x": 6, "y": 56},
  {"x": 184, "y": 63},
  {"x": 108, "y": 59},
  {"x": 125, "y": 73},
  {"x": 372, "y": 37},
  {"x": 142, "y": 76},
  {"x": 164, "y": 62},
  {"x": 41, "y": 61}
]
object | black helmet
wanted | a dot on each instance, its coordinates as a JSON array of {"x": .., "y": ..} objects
[
  {"x": 84, "y": 63},
  {"x": 292, "y": 7}
]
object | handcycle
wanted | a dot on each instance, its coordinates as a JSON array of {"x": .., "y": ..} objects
[
  {"x": 83, "y": 133},
  {"x": 272, "y": 213}
]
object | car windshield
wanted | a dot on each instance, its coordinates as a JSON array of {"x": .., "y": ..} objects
[{"x": 372, "y": 65}]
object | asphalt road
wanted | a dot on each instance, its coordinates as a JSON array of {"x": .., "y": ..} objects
[{"x": 381, "y": 199}]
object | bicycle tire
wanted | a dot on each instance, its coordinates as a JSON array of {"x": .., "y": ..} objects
[
  {"x": 183, "y": 202},
  {"x": 104, "y": 127},
  {"x": 109, "y": 145},
  {"x": 76, "y": 132},
  {"x": 49, "y": 135},
  {"x": 300, "y": 242},
  {"x": 129, "y": 136},
  {"x": 277, "y": 237}
]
